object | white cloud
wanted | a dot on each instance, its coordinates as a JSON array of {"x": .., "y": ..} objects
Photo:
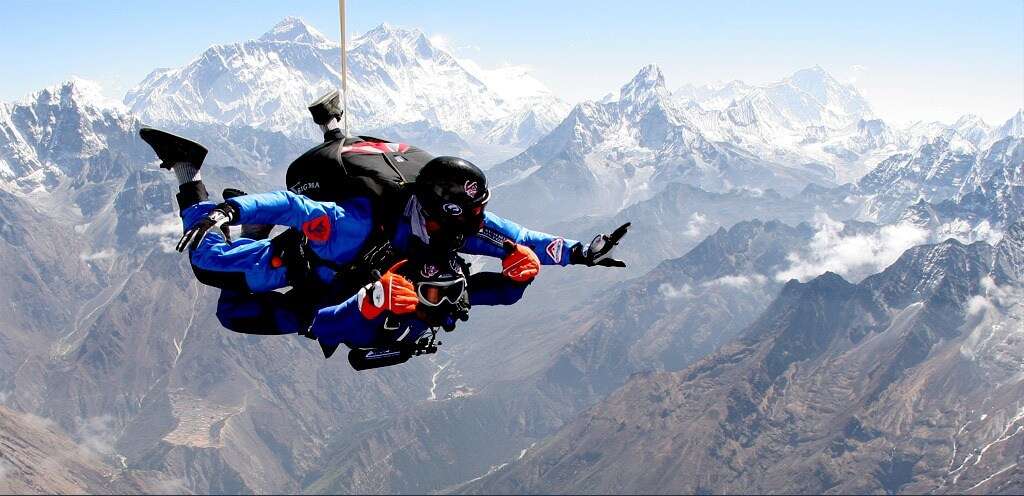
[
  {"x": 851, "y": 256},
  {"x": 167, "y": 229},
  {"x": 978, "y": 304},
  {"x": 96, "y": 434},
  {"x": 670, "y": 292},
  {"x": 739, "y": 282},
  {"x": 696, "y": 225},
  {"x": 995, "y": 329},
  {"x": 100, "y": 255},
  {"x": 165, "y": 225}
]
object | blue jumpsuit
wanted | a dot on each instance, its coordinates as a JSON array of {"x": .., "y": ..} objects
[{"x": 335, "y": 233}]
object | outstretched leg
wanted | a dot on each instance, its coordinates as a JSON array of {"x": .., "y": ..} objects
[
  {"x": 182, "y": 156},
  {"x": 185, "y": 157}
]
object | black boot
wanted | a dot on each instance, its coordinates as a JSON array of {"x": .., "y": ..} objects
[
  {"x": 171, "y": 149},
  {"x": 184, "y": 157},
  {"x": 326, "y": 108}
]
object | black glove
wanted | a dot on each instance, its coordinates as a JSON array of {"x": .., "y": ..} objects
[
  {"x": 221, "y": 215},
  {"x": 596, "y": 253}
]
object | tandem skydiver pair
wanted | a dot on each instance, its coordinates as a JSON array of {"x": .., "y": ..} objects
[{"x": 371, "y": 254}]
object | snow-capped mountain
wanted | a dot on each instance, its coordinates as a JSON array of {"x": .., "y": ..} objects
[
  {"x": 935, "y": 171},
  {"x": 808, "y": 117},
  {"x": 712, "y": 96},
  {"x": 809, "y": 97},
  {"x": 609, "y": 154},
  {"x": 948, "y": 185},
  {"x": 397, "y": 77},
  {"x": 1012, "y": 128},
  {"x": 969, "y": 127},
  {"x": 990, "y": 198},
  {"x": 533, "y": 110},
  {"x": 972, "y": 128},
  {"x": 58, "y": 132}
]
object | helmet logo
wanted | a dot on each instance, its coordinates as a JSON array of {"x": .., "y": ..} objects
[
  {"x": 451, "y": 209},
  {"x": 471, "y": 189},
  {"x": 429, "y": 271}
]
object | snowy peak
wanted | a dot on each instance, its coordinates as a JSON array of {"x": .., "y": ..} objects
[
  {"x": 57, "y": 132},
  {"x": 647, "y": 84},
  {"x": 386, "y": 33},
  {"x": 409, "y": 44},
  {"x": 1012, "y": 128},
  {"x": 396, "y": 77},
  {"x": 973, "y": 128},
  {"x": 294, "y": 29},
  {"x": 813, "y": 97},
  {"x": 970, "y": 121},
  {"x": 401, "y": 46},
  {"x": 75, "y": 92},
  {"x": 830, "y": 93},
  {"x": 713, "y": 96}
]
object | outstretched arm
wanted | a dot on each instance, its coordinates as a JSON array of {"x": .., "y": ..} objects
[{"x": 550, "y": 249}]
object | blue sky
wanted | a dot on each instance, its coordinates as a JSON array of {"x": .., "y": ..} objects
[{"x": 913, "y": 60}]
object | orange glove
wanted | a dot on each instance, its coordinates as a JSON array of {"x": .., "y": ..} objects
[
  {"x": 520, "y": 264},
  {"x": 392, "y": 293}
]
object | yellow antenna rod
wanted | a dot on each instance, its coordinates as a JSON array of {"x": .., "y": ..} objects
[{"x": 344, "y": 68}]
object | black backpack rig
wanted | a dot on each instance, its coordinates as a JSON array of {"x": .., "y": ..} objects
[{"x": 339, "y": 169}]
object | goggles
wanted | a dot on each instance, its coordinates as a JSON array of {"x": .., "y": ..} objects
[{"x": 436, "y": 293}]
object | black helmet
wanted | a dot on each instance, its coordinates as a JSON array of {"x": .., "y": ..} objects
[{"x": 452, "y": 192}]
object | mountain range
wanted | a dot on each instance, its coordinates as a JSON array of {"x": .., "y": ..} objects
[
  {"x": 793, "y": 317},
  {"x": 397, "y": 77},
  {"x": 906, "y": 382}
]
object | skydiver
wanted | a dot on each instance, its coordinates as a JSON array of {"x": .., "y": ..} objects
[{"x": 446, "y": 211}]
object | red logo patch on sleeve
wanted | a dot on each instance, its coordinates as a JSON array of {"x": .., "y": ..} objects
[
  {"x": 554, "y": 250},
  {"x": 318, "y": 229}
]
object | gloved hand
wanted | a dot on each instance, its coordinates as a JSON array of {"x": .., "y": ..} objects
[
  {"x": 393, "y": 293},
  {"x": 520, "y": 263},
  {"x": 596, "y": 253},
  {"x": 221, "y": 215}
]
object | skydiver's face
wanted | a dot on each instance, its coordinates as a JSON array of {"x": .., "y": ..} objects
[
  {"x": 441, "y": 287},
  {"x": 451, "y": 231}
]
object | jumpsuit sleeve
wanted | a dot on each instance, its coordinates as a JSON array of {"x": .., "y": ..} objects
[
  {"x": 493, "y": 288},
  {"x": 215, "y": 259},
  {"x": 550, "y": 249},
  {"x": 335, "y": 231},
  {"x": 344, "y": 323}
]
